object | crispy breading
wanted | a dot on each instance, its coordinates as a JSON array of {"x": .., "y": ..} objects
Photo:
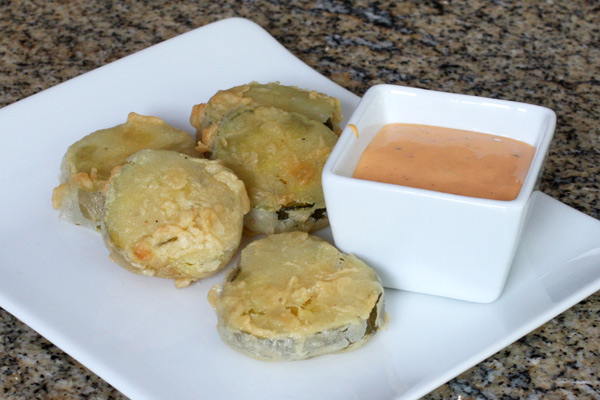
[
  {"x": 88, "y": 163},
  {"x": 276, "y": 139},
  {"x": 173, "y": 216},
  {"x": 312, "y": 104},
  {"x": 295, "y": 296}
]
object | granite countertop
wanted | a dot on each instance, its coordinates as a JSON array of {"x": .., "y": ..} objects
[{"x": 541, "y": 52}]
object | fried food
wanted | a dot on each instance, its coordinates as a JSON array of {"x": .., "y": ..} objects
[
  {"x": 317, "y": 106},
  {"x": 280, "y": 156},
  {"x": 88, "y": 163},
  {"x": 294, "y": 296},
  {"x": 173, "y": 216},
  {"x": 276, "y": 139}
]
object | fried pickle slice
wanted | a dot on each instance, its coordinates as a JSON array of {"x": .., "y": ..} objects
[
  {"x": 88, "y": 163},
  {"x": 294, "y": 296},
  {"x": 173, "y": 216},
  {"x": 314, "y": 105},
  {"x": 280, "y": 156}
]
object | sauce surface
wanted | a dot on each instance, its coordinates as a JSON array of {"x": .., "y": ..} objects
[{"x": 447, "y": 160}]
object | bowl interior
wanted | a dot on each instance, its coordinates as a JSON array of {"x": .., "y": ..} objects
[{"x": 386, "y": 104}]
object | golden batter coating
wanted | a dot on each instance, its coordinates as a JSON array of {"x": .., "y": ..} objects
[
  {"x": 317, "y": 106},
  {"x": 276, "y": 138},
  {"x": 295, "y": 296},
  {"x": 88, "y": 163},
  {"x": 173, "y": 216},
  {"x": 280, "y": 157}
]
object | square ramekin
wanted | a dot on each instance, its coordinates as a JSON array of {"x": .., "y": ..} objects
[{"x": 425, "y": 241}]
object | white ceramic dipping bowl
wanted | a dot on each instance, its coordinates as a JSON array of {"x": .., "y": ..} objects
[{"x": 425, "y": 241}]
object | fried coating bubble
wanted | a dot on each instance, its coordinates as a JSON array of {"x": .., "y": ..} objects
[
  {"x": 88, "y": 163},
  {"x": 173, "y": 216},
  {"x": 280, "y": 156},
  {"x": 294, "y": 296},
  {"x": 314, "y": 105}
]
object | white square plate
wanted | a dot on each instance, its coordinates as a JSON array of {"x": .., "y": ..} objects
[{"x": 152, "y": 341}]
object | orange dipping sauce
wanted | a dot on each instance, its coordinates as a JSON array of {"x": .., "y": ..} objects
[{"x": 447, "y": 160}]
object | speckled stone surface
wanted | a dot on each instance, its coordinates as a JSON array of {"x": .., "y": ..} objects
[{"x": 542, "y": 52}]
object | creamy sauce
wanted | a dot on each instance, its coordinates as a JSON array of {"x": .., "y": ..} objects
[{"x": 447, "y": 160}]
